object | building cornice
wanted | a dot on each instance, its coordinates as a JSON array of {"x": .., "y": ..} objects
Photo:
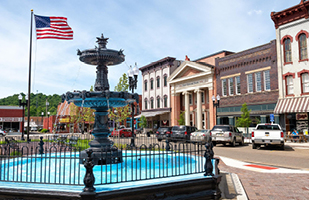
[
  {"x": 158, "y": 64},
  {"x": 291, "y": 14}
]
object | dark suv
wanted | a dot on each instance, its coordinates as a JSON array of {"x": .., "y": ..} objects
[
  {"x": 163, "y": 133},
  {"x": 182, "y": 132}
]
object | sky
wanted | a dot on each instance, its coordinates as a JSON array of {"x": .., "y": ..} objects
[{"x": 147, "y": 31}]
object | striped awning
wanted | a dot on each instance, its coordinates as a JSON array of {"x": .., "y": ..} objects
[{"x": 292, "y": 105}]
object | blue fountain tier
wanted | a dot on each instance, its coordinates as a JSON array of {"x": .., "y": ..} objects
[{"x": 99, "y": 99}]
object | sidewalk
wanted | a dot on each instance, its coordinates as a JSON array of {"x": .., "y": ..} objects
[{"x": 262, "y": 186}]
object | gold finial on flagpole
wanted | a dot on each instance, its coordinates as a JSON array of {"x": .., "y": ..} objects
[{"x": 31, "y": 10}]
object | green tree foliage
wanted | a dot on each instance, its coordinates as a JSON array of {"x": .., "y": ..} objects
[
  {"x": 80, "y": 114},
  {"x": 143, "y": 122},
  {"x": 181, "y": 120},
  {"x": 123, "y": 84},
  {"x": 37, "y": 103},
  {"x": 119, "y": 114},
  {"x": 244, "y": 120}
]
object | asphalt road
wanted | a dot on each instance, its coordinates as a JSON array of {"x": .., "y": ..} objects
[{"x": 291, "y": 157}]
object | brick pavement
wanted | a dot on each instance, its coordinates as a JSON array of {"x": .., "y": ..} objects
[{"x": 263, "y": 186}]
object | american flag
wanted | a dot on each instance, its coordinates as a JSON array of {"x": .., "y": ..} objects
[{"x": 53, "y": 28}]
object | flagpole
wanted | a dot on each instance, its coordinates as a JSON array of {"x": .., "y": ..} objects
[{"x": 29, "y": 81}]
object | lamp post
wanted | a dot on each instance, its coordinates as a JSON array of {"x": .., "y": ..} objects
[
  {"x": 23, "y": 104},
  {"x": 216, "y": 104},
  {"x": 48, "y": 113},
  {"x": 47, "y": 104},
  {"x": 42, "y": 114},
  {"x": 133, "y": 73}
]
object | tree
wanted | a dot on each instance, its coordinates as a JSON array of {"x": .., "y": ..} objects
[
  {"x": 244, "y": 120},
  {"x": 119, "y": 114},
  {"x": 123, "y": 84},
  {"x": 181, "y": 120},
  {"x": 79, "y": 115},
  {"x": 143, "y": 122}
]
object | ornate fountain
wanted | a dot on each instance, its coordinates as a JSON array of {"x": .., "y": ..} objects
[{"x": 101, "y": 100}]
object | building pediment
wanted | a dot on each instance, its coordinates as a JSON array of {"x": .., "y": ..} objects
[{"x": 189, "y": 70}]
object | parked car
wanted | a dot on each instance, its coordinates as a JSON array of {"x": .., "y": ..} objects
[
  {"x": 267, "y": 134},
  {"x": 2, "y": 132},
  {"x": 226, "y": 134},
  {"x": 182, "y": 132},
  {"x": 200, "y": 136},
  {"x": 138, "y": 130},
  {"x": 163, "y": 133},
  {"x": 122, "y": 133}
]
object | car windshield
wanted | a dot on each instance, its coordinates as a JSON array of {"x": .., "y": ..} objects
[
  {"x": 221, "y": 128},
  {"x": 179, "y": 128},
  {"x": 268, "y": 127},
  {"x": 164, "y": 129}
]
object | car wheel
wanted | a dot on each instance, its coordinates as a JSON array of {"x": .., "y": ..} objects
[
  {"x": 122, "y": 135},
  {"x": 233, "y": 143},
  {"x": 214, "y": 144},
  {"x": 159, "y": 140},
  {"x": 253, "y": 146},
  {"x": 242, "y": 142},
  {"x": 282, "y": 147}
]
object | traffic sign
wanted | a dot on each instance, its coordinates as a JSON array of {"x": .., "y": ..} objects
[{"x": 272, "y": 117}]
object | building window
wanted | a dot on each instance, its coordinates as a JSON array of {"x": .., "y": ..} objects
[
  {"x": 302, "y": 47},
  {"x": 224, "y": 87},
  {"x": 190, "y": 99},
  {"x": 151, "y": 103},
  {"x": 305, "y": 82},
  {"x": 158, "y": 82},
  {"x": 237, "y": 79},
  {"x": 249, "y": 83},
  {"x": 145, "y": 83},
  {"x": 203, "y": 97},
  {"x": 289, "y": 85},
  {"x": 151, "y": 84},
  {"x": 287, "y": 51},
  {"x": 158, "y": 102},
  {"x": 231, "y": 86},
  {"x": 165, "y": 101},
  {"x": 145, "y": 102},
  {"x": 258, "y": 82},
  {"x": 266, "y": 80},
  {"x": 165, "y": 80}
]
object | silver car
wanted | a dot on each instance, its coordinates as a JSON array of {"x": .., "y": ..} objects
[
  {"x": 200, "y": 136},
  {"x": 2, "y": 132}
]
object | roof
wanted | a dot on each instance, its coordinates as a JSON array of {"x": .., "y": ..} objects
[
  {"x": 223, "y": 51},
  {"x": 10, "y": 108},
  {"x": 163, "y": 60}
]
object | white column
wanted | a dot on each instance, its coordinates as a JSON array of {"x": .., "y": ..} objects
[
  {"x": 199, "y": 109},
  {"x": 187, "y": 107}
]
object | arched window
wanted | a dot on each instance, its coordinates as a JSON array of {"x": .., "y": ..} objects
[
  {"x": 151, "y": 103},
  {"x": 165, "y": 101},
  {"x": 305, "y": 83},
  {"x": 145, "y": 85},
  {"x": 145, "y": 102},
  {"x": 289, "y": 85},
  {"x": 151, "y": 84},
  {"x": 302, "y": 47},
  {"x": 287, "y": 51},
  {"x": 158, "y": 101}
]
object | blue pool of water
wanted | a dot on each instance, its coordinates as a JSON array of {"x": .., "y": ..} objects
[{"x": 142, "y": 167}]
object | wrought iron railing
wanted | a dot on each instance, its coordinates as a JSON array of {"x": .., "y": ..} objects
[{"x": 56, "y": 159}]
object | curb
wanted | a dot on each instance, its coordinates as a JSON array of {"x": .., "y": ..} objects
[{"x": 231, "y": 187}]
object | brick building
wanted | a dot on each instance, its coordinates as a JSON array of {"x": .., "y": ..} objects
[
  {"x": 292, "y": 34},
  {"x": 11, "y": 118},
  {"x": 248, "y": 77}
]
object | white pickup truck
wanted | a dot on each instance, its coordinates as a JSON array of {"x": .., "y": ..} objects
[{"x": 267, "y": 134}]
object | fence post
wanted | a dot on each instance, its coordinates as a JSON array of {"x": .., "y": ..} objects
[
  {"x": 167, "y": 145},
  {"x": 209, "y": 155},
  {"x": 41, "y": 143},
  {"x": 89, "y": 191}
]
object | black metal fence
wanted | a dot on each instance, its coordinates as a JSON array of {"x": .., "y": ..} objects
[{"x": 55, "y": 159}]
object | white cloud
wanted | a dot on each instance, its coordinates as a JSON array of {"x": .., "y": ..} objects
[{"x": 257, "y": 12}]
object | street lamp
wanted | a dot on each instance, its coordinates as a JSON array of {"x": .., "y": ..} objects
[
  {"x": 48, "y": 113},
  {"x": 216, "y": 104},
  {"x": 133, "y": 73},
  {"x": 42, "y": 114},
  {"x": 23, "y": 104},
  {"x": 47, "y": 104}
]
